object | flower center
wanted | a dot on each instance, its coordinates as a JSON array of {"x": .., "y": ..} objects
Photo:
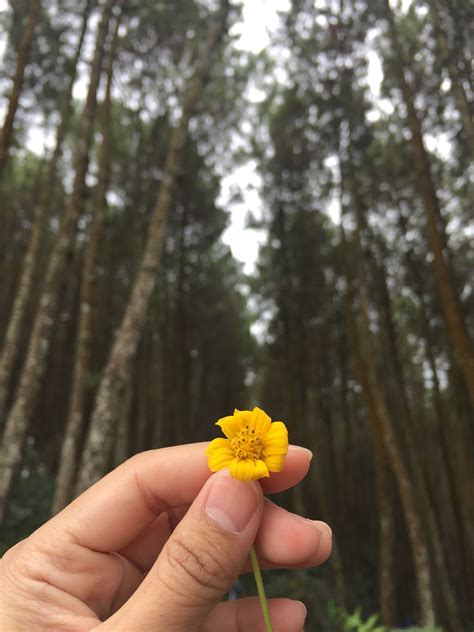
[{"x": 246, "y": 445}]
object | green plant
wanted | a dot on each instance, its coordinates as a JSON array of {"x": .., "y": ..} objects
[
  {"x": 415, "y": 629},
  {"x": 353, "y": 622}
]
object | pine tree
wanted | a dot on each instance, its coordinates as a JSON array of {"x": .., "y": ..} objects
[{"x": 35, "y": 365}]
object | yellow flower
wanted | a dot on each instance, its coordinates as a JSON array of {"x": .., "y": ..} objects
[{"x": 254, "y": 446}]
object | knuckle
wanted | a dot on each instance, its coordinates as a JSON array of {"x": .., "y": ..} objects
[
  {"x": 152, "y": 502},
  {"x": 21, "y": 562},
  {"x": 197, "y": 564},
  {"x": 17, "y": 573}
]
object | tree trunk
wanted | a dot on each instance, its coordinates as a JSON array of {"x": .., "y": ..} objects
[
  {"x": 386, "y": 426},
  {"x": 437, "y": 240},
  {"x": 121, "y": 449},
  {"x": 457, "y": 88},
  {"x": 386, "y": 536},
  {"x": 76, "y": 416},
  {"x": 36, "y": 359},
  {"x": 460, "y": 13},
  {"x": 179, "y": 357},
  {"x": 318, "y": 433},
  {"x": 22, "y": 60},
  {"x": 420, "y": 488},
  {"x": 462, "y": 502},
  {"x": 419, "y": 475},
  {"x": 420, "y": 482},
  {"x": 385, "y": 512},
  {"x": 117, "y": 373},
  {"x": 15, "y": 330}
]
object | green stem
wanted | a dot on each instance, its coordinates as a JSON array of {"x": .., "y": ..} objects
[{"x": 260, "y": 589}]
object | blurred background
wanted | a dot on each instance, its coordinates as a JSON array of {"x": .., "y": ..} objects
[{"x": 214, "y": 204}]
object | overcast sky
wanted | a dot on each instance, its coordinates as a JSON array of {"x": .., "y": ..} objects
[{"x": 259, "y": 20}]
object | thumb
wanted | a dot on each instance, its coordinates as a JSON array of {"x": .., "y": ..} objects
[{"x": 200, "y": 561}]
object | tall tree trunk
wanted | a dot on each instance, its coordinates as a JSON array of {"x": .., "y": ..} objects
[
  {"x": 117, "y": 373},
  {"x": 76, "y": 416},
  {"x": 386, "y": 536},
  {"x": 22, "y": 60},
  {"x": 179, "y": 357},
  {"x": 462, "y": 503},
  {"x": 457, "y": 88},
  {"x": 36, "y": 359},
  {"x": 121, "y": 449},
  {"x": 15, "y": 330},
  {"x": 387, "y": 427},
  {"x": 420, "y": 482},
  {"x": 322, "y": 434},
  {"x": 460, "y": 13},
  {"x": 293, "y": 410},
  {"x": 144, "y": 376},
  {"x": 384, "y": 500},
  {"x": 437, "y": 240}
]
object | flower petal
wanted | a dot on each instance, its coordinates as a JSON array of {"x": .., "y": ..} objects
[
  {"x": 243, "y": 417},
  {"x": 260, "y": 421},
  {"x": 261, "y": 470},
  {"x": 248, "y": 469},
  {"x": 275, "y": 462},
  {"x": 230, "y": 426},
  {"x": 218, "y": 443},
  {"x": 276, "y": 439},
  {"x": 219, "y": 454},
  {"x": 241, "y": 469}
]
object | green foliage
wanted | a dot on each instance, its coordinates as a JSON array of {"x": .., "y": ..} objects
[
  {"x": 30, "y": 501},
  {"x": 415, "y": 629},
  {"x": 354, "y": 622}
]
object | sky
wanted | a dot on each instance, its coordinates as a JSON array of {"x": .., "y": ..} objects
[{"x": 260, "y": 18}]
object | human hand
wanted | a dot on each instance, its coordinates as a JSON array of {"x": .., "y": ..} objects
[{"x": 155, "y": 545}]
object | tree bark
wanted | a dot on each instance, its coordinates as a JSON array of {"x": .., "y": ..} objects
[
  {"x": 419, "y": 474},
  {"x": 437, "y": 240},
  {"x": 384, "y": 424},
  {"x": 385, "y": 512},
  {"x": 76, "y": 416},
  {"x": 179, "y": 357},
  {"x": 118, "y": 370},
  {"x": 457, "y": 88},
  {"x": 121, "y": 449},
  {"x": 462, "y": 503},
  {"x": 460, "y": 13},
  {"x": 36, "y": 359},
  {"x": 15, "y": 329},
  {"x": 22, "y": 60},
  {"x": 386, "y": 536},
  {"x": 420, "y": 482}
]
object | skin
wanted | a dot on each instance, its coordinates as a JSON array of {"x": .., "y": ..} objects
[{"x": 144, "y": 549}]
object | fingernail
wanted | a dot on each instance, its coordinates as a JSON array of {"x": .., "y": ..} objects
[
  {"x": 303, "y": 608},
  {"x": 300, "y": 449},
  {"x": 231, "y": 503},
  {"x": 323, "y": 526}
]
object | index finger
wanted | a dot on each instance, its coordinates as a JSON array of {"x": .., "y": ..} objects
[{"x": 112, "y": 513}]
